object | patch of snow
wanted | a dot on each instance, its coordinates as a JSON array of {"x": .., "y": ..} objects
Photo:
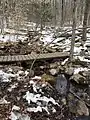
[
  {"x": 67, "y": 41},
  {"x": 88, "y": 35},
  {"x": 37, "y": 109},
  {"x": 36, "y": 78},
  {"x": 81, "y": 58},
  {"x": 46, "y": 109},
  {"x": 11, "y": 37},
  {"x": 58, "y": 39},
  {"x": 14, "y": 116},
  {"x": 26, "y": 73},
  {"x": 18, "y": 116},
  {"x": 77, "y": 70},
  {"x": 67, "y": 49},
  {"x": 43, "y": 85},
  {"x": 3, "y": 101},
  {"x": 20, "y": 72},
  {"x": 12, "y": 87},
  {"x": 15, "y": 108},
  {"x": 78, "y": 49},
  {"x": 32, "y": 82},
  {"x": 63, "y": 63},
  {"x": 53, "y": 110},
  {"x": 5, "y": 77},
  {"x": 10, "y": 70},
  {"x": 34, "y": 98},
  {"x": 47, "y": 38}
]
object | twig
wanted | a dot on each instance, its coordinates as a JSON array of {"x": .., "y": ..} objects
[{"x": 79, "y": 98}]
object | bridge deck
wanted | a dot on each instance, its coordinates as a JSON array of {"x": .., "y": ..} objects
[{"x": 16, "y": 58}]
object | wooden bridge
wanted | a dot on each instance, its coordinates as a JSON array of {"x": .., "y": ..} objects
[{"x": 16, "y": 58}]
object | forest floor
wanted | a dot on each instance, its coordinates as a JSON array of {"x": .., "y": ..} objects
[{"x": 55, "y": 89}]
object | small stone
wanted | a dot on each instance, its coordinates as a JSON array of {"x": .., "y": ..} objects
[
  {"x": 53, "y": 71},
  {"x": 69, "y": 70},
  {"x": 64, "y": 101},
  {"x": 82, "y": 108},
  {"x": 53, "y": 65},
  {"x": 48, "y": 78},
  {"x": 61, "y": 84},
  {"x": 79, "y": 79}
]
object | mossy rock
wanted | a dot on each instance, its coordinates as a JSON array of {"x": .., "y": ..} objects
[{"x": 48, "y": 78}]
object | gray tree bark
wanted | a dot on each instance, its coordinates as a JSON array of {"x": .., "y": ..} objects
[
  {"x": 86, "y": 11},
  {"x": 73, "y": 30}
]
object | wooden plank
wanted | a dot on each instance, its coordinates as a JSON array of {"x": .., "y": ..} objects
[
  {"x": 40, "y": 56},
  {"x": 27, "y": 57},
  {"x": 5, "y": 58},
  {"x": 32, "y": 56},
  {"x": 13, "y": 58},
  {"x": 19, "y": 57},
  {"x": 23, "y": 57},
  {"x": 16, "y": 58},
  {"x": 1, "y": 58},
  {"x": 9, "y": 58}
]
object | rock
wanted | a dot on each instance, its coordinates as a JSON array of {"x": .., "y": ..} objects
[
  {"x": 69, "y": 70},
  {"x": 77, "y": 107},
  {"x": 61, "y": 84},
  {"x": 82, "y": 108},
  {"x": 79, "y": 79},
  {"x": 48, "y": 78},
  {"x": 72, "y": 103},
  {"x": 42, "y": 67},
  {"x": 54, "y": 71},
  {"x": 53, "y": 65}
]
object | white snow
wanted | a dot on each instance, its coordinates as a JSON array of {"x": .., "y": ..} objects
[
  {"x": 20, "y": 72},
  {"x": 81, "y": 58},
  {"x": 63, "y": 63},
  {"x": 18, "y": 116},
  {"x": 77, "y": 70},
  {"x": 11, "y": 37},
  {"x": 3, "y": 101},
  {"x": 26, "y": 73},
  {"x": 36, "y": 78},
  {"x": 35, "y": 109},
  {"x": 15, "y": 108},
  {"x": 53, "y": 110},
  {"x": 78, "y": 49},
  {"x": 34, "y": 98},
  {"x": 5, "y": 77},
  {"x": 32, "y": 82},
  {"x": 88, "y": 35},
  {"x": 12, "y": 87}
]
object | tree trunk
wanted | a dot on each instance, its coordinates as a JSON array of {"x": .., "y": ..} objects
[
  {"x": 73, "y": 31},
  {"x": 86, "y": 11},
  {"x": 62, "y": 14}
]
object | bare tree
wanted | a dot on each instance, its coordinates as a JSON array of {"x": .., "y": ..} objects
[
  {"x": 62, "y": 14},
  {"x": 86, "y": 11},
  {"x": 73, "y": 30}
]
